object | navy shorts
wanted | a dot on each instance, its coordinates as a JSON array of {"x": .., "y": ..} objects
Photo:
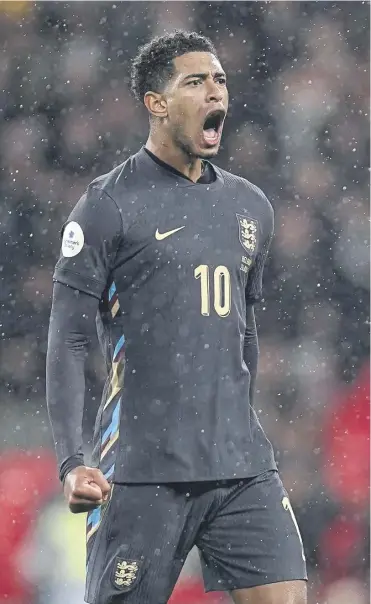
[{"x": 245, "y": 531}]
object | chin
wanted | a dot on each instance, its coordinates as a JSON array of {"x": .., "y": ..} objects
[
  {"x": 208, "y": 153},
  {"x": 194, "y": 150}
]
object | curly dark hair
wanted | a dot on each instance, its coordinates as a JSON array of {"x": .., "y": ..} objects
[{"x": 153, "y": 66}]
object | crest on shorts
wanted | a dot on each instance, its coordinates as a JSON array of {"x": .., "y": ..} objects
[
  {"x": 248, "y": 233},
  {"x": 125, "y": 574}
]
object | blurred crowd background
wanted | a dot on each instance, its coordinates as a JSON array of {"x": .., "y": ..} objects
[{"x": 299, "y": 128}]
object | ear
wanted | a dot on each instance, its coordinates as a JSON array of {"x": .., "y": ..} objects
[{"x": 156, "y": 104}]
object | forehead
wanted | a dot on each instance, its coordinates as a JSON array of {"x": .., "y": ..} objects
[{"x": 196, "y": 62}]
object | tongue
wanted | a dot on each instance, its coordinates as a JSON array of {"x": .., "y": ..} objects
[{"x": 210, "y": 134}]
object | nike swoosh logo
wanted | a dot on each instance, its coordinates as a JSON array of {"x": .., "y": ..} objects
[{"x": 161, "y": 236}]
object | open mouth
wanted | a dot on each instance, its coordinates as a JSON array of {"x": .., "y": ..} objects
[{"x": 212, "y": 126}]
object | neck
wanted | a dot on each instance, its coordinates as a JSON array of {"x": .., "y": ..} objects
[{"x": 167, "y": 152}]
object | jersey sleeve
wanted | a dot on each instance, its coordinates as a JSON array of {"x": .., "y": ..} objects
[
  {"x": 254, "y": 287},
  {"x": 90, "y": 240}
]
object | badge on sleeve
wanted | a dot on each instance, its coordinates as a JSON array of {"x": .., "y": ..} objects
[{"x": 73, "y": 240}]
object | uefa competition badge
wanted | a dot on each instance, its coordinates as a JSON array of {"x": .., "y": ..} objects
[{"x": 73, "y": 240}]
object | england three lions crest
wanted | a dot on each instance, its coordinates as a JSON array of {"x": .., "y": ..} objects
[
  {"x": 125, "y": 574},
  {"x": 248, "y": 233}
]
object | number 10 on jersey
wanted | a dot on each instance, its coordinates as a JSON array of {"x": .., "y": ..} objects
[{"x": 222, "y": 289}]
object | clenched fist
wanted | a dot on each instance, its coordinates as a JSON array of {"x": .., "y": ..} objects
[{"x": 85, "y": 489}]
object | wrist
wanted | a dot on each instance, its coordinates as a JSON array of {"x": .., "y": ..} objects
[{"x": 70, "y": 464}]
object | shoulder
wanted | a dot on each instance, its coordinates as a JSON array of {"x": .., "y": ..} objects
[
  {"x": 247, "y": 190},
  {"x": 237, "y": 182},
  {"x": 120, "y": 177},
  {"x": 98, "y": 206}
]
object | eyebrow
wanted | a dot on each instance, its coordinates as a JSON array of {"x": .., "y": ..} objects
[{"x": 203, "y": 76}]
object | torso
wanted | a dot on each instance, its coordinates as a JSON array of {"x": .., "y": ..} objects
[{"x": 178, "y": 298}]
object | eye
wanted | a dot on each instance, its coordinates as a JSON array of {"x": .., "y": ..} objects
[
  {"x": 222, "y": 80},
  {"x": 194, "y": 82}
]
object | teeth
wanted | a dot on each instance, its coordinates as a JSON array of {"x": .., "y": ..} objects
[{"x": 210, "y": 134}]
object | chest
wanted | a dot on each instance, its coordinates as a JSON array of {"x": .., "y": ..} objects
[{"x": 189, "y": 228}]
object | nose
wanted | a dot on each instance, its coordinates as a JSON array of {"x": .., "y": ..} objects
[{"x": 214, "y": 93}]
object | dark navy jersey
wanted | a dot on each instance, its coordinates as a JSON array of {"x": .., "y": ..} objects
[{"x": 174, "y": 265}]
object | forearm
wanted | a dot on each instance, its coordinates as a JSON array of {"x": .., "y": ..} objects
[
  {"x": 72, "y": 319},
  {"x": 251, "y": 349}
]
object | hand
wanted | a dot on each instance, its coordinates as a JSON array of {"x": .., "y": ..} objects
[{"x": 85, "y": 489}]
